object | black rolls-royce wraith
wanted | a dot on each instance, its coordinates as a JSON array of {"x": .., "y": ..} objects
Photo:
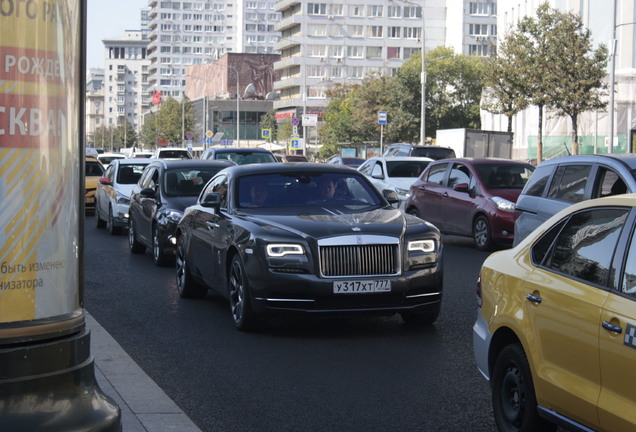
[{"x": 307, "y": 238}]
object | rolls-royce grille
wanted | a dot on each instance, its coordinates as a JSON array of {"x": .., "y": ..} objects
[{"x": 359, "y": 260}]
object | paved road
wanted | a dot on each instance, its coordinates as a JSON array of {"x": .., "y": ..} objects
[{"x": 371, "y": 374}]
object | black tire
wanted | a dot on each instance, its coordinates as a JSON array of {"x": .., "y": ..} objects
[
  {"x": 240, "y": 303},
  {"x": 159, "y": 256},
  {"x": 110, "y": 223},
  {"x": 482, "y": 234},
  {"x": 420, "y": 318},
  {"x": 99, "y": 222},
  {"x": 186, "y": 284},
  {"x": 513, "y": 399},
  {"x": 414, "y": 212},
  {"x": 134, "y": 246}
]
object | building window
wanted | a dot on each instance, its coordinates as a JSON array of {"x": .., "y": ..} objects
[
  {"x": 412, "y": 32},
  {"x": 394, "y": 12},
  {"x": 356, "y": 10},
  {"x": 355, "y": 51},
  {"x": 412, "y": 12},
  {"x": 374, "y": 52},
  {"x": 394, "y": 32},
  {"x": 375, "y": 31},
  {"x": 317, "y": 9},
  {"x": 374, "y": 11},
  {"x": 393, "y": 52},
  {"x": 355, "y": 30}
]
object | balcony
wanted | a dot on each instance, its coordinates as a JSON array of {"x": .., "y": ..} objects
[
  {"x": 291, "y": 61},
  {"x": 288, "y": 22}
]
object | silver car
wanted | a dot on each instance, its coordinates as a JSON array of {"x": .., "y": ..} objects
[{"x": 113, "y": 193}]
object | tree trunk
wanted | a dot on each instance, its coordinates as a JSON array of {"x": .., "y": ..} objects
[
  {"x": 540, "y": 137},
  {"x": 509, "y": 124},
  {"x": 575, "y": 134}
]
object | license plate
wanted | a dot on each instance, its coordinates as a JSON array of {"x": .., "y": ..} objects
[{"x": 361, "y": 286}]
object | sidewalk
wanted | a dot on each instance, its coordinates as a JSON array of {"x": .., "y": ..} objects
[{"x": 144, "y": 406}]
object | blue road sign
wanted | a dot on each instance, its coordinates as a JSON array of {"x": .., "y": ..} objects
[{"x": 382, "y": 117}]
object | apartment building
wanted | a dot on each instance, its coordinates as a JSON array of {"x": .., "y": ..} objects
[
  {"x": 345, "y": 41},
  {"x": 186, "y": 33},
  {"x": 471, "y": 26},
  {"x": 126, "y": 85},
  {"x": 94, "y": 103}
]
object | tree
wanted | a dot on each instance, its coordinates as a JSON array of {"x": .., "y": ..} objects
[
  {"x": 579, "y": 70},
  {"x": 169, "y": 121},
  {"x": 338, "y": 121},
  {"x": 503, "y": 79},
  {"x": 149, "y": 131},
  {"x": 404, "y": 106},
  {"x": 453, "y": 90},
  {"x": 268, "y": 121}
]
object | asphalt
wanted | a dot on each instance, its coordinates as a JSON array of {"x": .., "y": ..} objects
[{"x": 145, "y": 407}]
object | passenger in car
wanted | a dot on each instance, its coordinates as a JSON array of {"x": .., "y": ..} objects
[{"x": 258, "y": 195}]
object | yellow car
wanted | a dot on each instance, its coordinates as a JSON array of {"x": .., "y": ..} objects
[
  {"x": 93, "y": 172},
  {"x": 556, "y": 326}
]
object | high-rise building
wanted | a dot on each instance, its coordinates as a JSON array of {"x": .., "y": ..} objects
[
  {"x": 201, "y": 31},
  {"x": 341, "y": 42},
  {"x": 94, "y": 104},
  {"x": 471, "y": 26},
  {"x": 126, "y": 89}
]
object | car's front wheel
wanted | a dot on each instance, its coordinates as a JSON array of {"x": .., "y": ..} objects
[
  {"x": 186, "y": 285},
  {"x": 110, "y": 223},
  {"x": 481, "y": 234},
  {"x": 134, "y": 245},
  {"x": 99, "y": 222},
  {"x": 240, "y": 304},
  {"x": 513, "y": 399},
  {"x": 159, "y": 255}
]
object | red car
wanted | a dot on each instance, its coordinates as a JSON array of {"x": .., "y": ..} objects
[{"x": 471, "y": 197}]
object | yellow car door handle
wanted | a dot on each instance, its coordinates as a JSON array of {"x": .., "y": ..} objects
[{"x": 534, "y": 298}]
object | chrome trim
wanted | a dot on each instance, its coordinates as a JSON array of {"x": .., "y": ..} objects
[
  {"x": 423, "y": 295},
  {"x": 366, "y": 259},
  {"x": 284, "y": 300},
  {"x": 358, "y": 239}
]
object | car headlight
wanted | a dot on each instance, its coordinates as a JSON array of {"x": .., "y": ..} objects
[
  {"x": 280, "y": 249},
  {"x": 122, "y": 199},
  {"x": 403, "y": 193},
  {"x": 503, "y": 204},
  {"x": 174, "y": 216},
  {"x": 421, "y": 246}
]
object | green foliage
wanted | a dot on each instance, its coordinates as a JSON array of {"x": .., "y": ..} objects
[
  {"x": 284, "y": 130},
  {"x": 171, "y": 121},
  {"x": 453, "y": 90},
  {"x": 504, "y": 79},
  {"x": 268, "y": 121}
]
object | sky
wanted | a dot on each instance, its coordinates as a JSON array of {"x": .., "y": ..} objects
[{"x": 106, "y": 19}]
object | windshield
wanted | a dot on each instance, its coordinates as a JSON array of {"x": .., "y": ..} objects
[
  {"x": 187, "y": 181},
  {"x": 244, "y": 158},
  {"x": 306, "y": 189},
  {"x": 130, "y": 174},
  {"x": 406, "y": 168},
  {"x": 506, "y": 176}
]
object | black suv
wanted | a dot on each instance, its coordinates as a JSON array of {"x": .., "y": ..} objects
[
  {"x": 429, "y": 151},
  {"x": 240, "y": 156}
]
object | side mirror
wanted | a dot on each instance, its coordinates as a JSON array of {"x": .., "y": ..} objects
[
  {"x": 461, "y": 187},
  {"x": 105, "y": 181},
  {"x": 211, "y": 200},
  {"x": 148, "y": 193},
  {"x": 391, "y": 196}
]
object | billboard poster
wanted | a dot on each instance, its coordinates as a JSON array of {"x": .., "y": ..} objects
[{"x": 40, "y": 61}]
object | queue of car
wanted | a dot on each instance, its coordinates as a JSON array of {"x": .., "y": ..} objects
[{"x": 555, "y": 332}]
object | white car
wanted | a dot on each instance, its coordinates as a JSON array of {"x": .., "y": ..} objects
[
  {"x": 106, "y": 158},
  {"x": 394, "y": 173},
  {"x": 113, "y": 193},
  {"x": 171, "y": 153}
]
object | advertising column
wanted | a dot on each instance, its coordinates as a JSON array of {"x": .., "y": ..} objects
[{"x": 46, "y": 375}]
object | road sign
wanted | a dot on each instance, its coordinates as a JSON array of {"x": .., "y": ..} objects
[
  {"x": 295, "y": 121},
  {"x": 295, "y": 130},
  {"x": 209, "y": 134},
  {"x": 310, "y": 119},
  {"x": 294, "y": 143},
  {"x": 382, "y": 117},
  {"x": 266, "y": 133}
]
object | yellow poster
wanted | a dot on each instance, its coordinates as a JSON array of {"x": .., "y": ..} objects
[{"x": 39, "y": 158}]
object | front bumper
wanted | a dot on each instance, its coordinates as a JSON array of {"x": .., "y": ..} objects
[
  {"x": 481, "y": 344},
  {"x": 283, "y": 293},
  {"x": 120, "y": 215}
]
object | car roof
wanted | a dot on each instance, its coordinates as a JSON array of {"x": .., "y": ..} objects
[
  {"x": 402, "y": 158},
  {"x": 276, "y": 167},
  {"x": 190, "y": 163},
  {"x": 483, "y": 161},
  {"x": 132, "y": 161},
  {"x": 628, "y": 159},
  {"x": 239, "y": 150}
]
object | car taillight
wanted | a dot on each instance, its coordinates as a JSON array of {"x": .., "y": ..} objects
[{"x": 479, "y": 299}]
